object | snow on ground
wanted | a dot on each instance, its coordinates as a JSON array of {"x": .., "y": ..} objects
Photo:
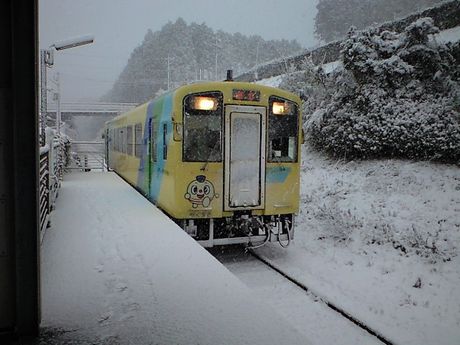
[
  {"x": 332, "y": 66},
  {"x": 381, "y": 240},
  {"x": 305, "y": 312},
  {"x": 450, "y": 35},
  {"x": 273, "y": 81},
  {"x": 115, "y": 270}
]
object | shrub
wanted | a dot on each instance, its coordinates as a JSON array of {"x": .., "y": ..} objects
[{"x": 398, "y": 95}]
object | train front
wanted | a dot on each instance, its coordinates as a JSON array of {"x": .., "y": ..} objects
[{"x": 238, "y": 177}]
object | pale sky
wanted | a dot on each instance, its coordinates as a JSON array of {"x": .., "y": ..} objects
[{"x": 119, "y": 26}]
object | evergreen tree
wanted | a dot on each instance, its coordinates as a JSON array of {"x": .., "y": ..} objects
[{"x": 190, "y": 52}]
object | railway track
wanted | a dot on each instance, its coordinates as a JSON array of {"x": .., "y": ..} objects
[
  {"x": 311, "y": 314},
  {"x": 329, "y": 304}
]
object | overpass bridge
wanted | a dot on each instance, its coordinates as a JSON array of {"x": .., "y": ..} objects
[
  {"x": 104, "y": 109},
  {"x": 84, "y": 121}
]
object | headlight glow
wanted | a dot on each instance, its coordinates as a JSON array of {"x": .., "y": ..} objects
[
  {"x": 279, "y": 108},
  {"x": 204, "y": 103}
]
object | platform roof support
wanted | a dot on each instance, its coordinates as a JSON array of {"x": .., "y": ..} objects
[{"x": 19, "y": 163}]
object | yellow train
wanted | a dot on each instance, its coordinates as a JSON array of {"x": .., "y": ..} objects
[{"x": 222, "y": 159}]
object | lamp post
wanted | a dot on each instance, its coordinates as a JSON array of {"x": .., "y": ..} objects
[{"x": 47, "y": 61}]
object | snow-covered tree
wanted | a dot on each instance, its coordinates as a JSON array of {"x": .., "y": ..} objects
[{"x": 397, "y": 96}]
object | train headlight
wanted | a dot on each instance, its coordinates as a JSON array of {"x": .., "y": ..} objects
[
  {"x": 204, "y": 103},
  {"x": 280, "y": 108}
]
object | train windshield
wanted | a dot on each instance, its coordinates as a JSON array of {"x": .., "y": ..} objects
[
  {"x": 283, "y": 130},
  {"x": 203, "y": 127}
]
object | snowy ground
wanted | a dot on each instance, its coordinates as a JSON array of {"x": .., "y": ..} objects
[
  {"x": 381, "y": 240},
  {"x": 306, "y": 312},
  {"x": 115, "y": 270}
]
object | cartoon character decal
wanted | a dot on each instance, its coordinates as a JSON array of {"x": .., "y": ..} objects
[{"x": 200, "y": 192}]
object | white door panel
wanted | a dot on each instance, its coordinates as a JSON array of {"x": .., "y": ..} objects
[{"x": 244, "y": 157}]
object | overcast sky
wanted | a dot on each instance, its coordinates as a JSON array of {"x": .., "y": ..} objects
[{"x": 119, "y": 26}]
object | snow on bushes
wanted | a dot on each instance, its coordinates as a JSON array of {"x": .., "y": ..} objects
[{"x": 398, "y": 95}]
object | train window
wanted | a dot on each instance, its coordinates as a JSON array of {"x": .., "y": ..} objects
[
  {"x": 129, "y": 140},
  {"x": 115, "y": 137},
  {"x": 120, "y": 139},
  {"x": 123, "y": 132},
  {"x": 153, "y": 140},
  {"x": 282, "y": 131},
  {"x": 138, "y": 139},
  {"x": 165, "y": 144},
  {"x": 203, "y": 127},
  {"x": 110, "y": 139}
]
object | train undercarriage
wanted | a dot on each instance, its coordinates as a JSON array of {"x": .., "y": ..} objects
[{"x": 242, "y": 228}]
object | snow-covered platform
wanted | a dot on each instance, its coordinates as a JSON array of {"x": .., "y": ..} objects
[{"x": 115, "y": 270}]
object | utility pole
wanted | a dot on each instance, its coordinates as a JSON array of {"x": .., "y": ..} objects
[
  {"x": 57, "y": 98},
  {"x": 215, "y": 66},
  {"x": 169, "y": 75},
  {"x": 47, "y": 60},
  {"x": 43, "y": 97},
  {"x": 215, "y": 75}
]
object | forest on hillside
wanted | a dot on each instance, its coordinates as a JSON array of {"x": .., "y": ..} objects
[{"x": 181, "y": 53}]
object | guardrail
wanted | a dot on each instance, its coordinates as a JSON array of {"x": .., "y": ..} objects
[
  {"x": 87, "y": 156},
  {"x": 61, "y": 155},
  {"x": 53, "y": 157},
  {"x": 44, "y": 198}
]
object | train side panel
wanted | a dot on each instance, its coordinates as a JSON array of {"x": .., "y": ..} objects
[{"x": 126, "y": 165}]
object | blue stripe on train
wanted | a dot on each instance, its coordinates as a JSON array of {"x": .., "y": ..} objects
[
  {"x": 158, "y": 171},
  {"x": 277, "y": 174},
  {"x": 142, "y": 182}
]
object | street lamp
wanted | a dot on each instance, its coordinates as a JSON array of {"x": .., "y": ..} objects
[{"x": 47, "y": 60}]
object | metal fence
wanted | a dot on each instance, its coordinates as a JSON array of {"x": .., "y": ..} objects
[
  {"x": 44, "y": 197},
  {"x": 52, "y": 159},
  {"x": 87, "y": 156},
  {"x": 61, "y": 155}
]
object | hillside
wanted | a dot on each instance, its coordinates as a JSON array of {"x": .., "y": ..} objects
[{"x": 180, "y": 53}]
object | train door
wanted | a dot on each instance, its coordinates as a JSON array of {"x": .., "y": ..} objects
[
  {"x": 151, "y": 154},
  {"x": 245, "y": 128},
  {"x": 108, "y": 140}
]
